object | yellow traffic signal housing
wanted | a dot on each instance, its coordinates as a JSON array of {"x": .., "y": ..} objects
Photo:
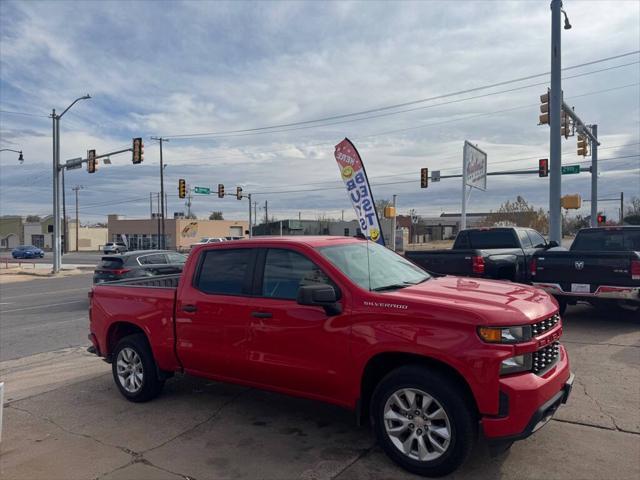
[
  {"x": 424, "y": 177},
  {"x": 582, "y": 145},
  {"x": 182, "y": 188},
  {"x": 220, "y": 190},
  {"x": 571, "y": 202},
  {"x": 544, "y": 109},
  {"x": 92, "y": 163},
  {"x": 239, "y": 193},
  {"x": 138, "y": 150},
  {"x": 389, "y": 212}
]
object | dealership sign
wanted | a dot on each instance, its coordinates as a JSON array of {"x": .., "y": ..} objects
[
  {"x": 474, "y": 167},
  {"x": 355, "y": 179}
]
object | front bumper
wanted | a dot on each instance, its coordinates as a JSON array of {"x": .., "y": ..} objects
[
  {"x": 603, "y": 291},
  {"x": 529, "y": 402}
]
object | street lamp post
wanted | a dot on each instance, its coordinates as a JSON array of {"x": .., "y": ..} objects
[
  {"x": 19, "y": 152},
  {"x": 57, "y": 240}
]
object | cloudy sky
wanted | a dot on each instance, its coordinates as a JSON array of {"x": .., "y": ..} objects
[{"x": 223, "y": 71}]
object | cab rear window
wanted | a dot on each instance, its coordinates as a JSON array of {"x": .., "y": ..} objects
[
  {"x": 111, "y": 263},
  {"x": 607, "y": 240}
]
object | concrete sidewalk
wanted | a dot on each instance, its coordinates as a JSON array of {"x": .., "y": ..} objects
[{"x": 64, "y": 419}]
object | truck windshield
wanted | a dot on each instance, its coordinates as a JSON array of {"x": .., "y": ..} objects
[{"x": 373, "y": 267}]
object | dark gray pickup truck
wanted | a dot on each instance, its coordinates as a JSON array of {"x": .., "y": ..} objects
[
  {"x": 601, "y": 267},
  {"x": 500, "y": 253}
]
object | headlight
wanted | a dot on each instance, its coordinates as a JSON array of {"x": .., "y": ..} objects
[
  {"x": 505, "y": 334},
  {"x": 519, "y": 363}
]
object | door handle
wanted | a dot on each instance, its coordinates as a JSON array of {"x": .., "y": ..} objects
[
  {"x": 189, "y": 308},
  {"x": 262, "y": 314}
]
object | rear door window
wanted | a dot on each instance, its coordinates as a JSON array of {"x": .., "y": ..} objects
[
  {"x": 152, "y": 259},
  {"x": 225, "y": 271},
  {"x": 498, "y": 238},
  {"x": 176, "y": 258},
  {"x": 462, "y": 240}
]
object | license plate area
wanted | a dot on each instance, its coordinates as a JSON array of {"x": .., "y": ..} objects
[{"x": 580, "y": 288}]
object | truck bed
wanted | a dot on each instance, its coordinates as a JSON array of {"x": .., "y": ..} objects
[{"x": 156, "y": 281}]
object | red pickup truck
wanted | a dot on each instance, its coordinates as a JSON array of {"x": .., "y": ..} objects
[{"x": 428, "y": 361}]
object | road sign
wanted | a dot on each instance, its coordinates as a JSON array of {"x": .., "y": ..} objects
[
  {"x": 570, "y": 169},
  {"x": 435, "y": 176},
  {"x": 474, "y": 167},
  {"x": 202, "y": 190},
  {"x": 73, "y": 163}
]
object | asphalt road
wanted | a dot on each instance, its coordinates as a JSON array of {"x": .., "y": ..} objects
[
  {"x": 64, "y": 418},
  {"x": 43, "y": 315}
]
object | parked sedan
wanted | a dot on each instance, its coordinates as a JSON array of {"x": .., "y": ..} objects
[
  {"x": 27, "y": 251},
  {"x": 140, "y": 263}
]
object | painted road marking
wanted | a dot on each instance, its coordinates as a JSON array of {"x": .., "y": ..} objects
[{"x": 42, "y": 306}]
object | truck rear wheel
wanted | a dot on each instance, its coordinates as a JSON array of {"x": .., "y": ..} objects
[
  {"x": 134, "y": 369},
  {"x": 422, "y": 421}
]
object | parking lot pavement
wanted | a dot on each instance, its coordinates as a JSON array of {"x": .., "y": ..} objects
[{"x": 200, "y": 429}]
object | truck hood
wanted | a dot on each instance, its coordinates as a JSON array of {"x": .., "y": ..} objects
[{"x": 494, "y": 302}]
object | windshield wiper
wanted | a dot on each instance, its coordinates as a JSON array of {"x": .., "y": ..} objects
[{"x": 393, "y": 286}]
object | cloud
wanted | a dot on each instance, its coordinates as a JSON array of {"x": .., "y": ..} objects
[{"x": 194, "y": 67}]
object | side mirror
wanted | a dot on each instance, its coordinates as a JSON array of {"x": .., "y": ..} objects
[
  {"x": 552, "y": 244},
  {"x": 320, "y": 296}
]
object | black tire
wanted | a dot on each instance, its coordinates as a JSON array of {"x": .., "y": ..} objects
[
  {"x": 151, "y": 385},
  {"x": 463, "y": 423}
]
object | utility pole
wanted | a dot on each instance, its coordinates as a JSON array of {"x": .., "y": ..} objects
[
  {"x": 255, "y": 211},
  {"x": 158, "y": 218},
  {"x": 150, "y": 204},
  {"x": 250, "y": 219},
  {"x": 594, "y": 177},
  {"x": 161, "y": 240},
  {"x": 190, "y": 197},
  {"x": 555, "y": 136},
  {"x": 621, "y": 208},
  {"x": 266, "y": 212},
  {"x": 76, "y": 189},
  {"x": 65, "y": 226},
  {"x": 393, "y": 226}
]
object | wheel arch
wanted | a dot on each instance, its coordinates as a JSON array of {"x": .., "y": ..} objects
[
  {"x": 117, "y": 331},
  {"x": 381, "y": 364}
]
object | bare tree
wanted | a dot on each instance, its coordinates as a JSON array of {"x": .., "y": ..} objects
[
  {"x": 216, "y": 215},
  {"x": 518, "y": 213}
]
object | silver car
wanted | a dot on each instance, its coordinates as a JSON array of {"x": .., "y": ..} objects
[{"x": 114, "y": 247}]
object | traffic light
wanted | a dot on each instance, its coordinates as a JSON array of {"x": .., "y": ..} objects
[
  {"x": 239, "y": 193},
  {"x": 565, "y": 125},
  {"x": 582, "y": 145},
  {"x": 544, "y": 109},
  {"x": 138, "y": 150},
  {"x": 543, "y": 167},
  {"x": 92, "y": 163},
  {"x": 602, "y": 219},
  {"x": 571, "y": 202},
  {"x": 182, "y": 188},
  {"x": 220, "y": 190},
  {"x": 424, "y": 177}
]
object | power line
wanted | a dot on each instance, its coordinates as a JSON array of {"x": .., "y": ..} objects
[
  {"x": 398, "y": 105},
  {"x": 10, "y": 112}
]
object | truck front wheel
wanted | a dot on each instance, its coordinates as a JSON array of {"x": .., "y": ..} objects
[
  {"x": 422, "y": 421},
  {"x": 134, "y": 369}
]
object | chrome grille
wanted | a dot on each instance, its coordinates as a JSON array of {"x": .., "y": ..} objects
[
  {"x": 544, "y": 325},
  {"x": 545, "y": 358}
]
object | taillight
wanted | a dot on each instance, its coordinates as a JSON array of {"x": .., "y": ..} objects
[
  {"x": 533, "y": 266},
  {"x": 635, "y": 269},
  {"x": 477, "y": 264},
  {"x": 120, "y": 271}
]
